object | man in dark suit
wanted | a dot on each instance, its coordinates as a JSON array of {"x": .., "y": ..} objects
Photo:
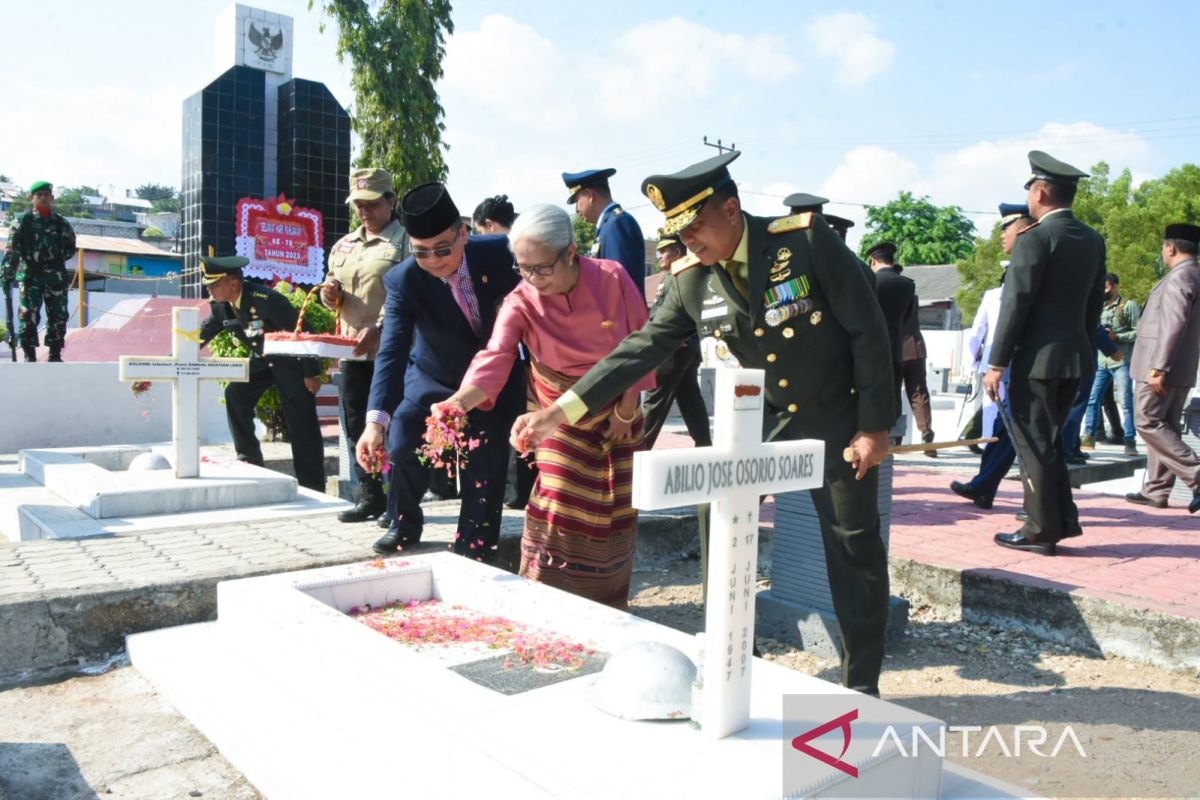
[
  {"x": 897, "y": 297},
  {"x": 1049, "y": 310},
  {"x": 1165, "y": 356},
  {"x": 618, "y": 235},
  {"x": 440, "y": 310},
  {"x": 249, "y": 310},
  {"x": 789, "y": 298}
]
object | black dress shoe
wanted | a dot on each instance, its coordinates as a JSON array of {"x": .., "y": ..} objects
[
  {"x": 1072, "y": 530},
  {"x": 1017, "y": 541},
  {"x": 1141, "y": 500},
  {"x": 395, "y": 540},
  {"x": 1021, "y": 516},
  {"x": 963, "y": 490},
  {"x": 1078, "y": 459},
  {"x": 385, "y": 520},
  {"x": 370, "y": 503},
  {"x": 1194, "y": 506}
]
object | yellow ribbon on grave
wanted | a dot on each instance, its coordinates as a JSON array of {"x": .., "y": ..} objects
[{"x": 191, "y": 336}]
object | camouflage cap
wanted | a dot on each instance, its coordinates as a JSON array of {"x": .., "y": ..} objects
[
  {"x": 370, "y": 184},
  {"x": 37, "y": 186}
]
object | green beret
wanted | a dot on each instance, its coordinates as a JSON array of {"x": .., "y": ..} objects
[{"x": 39, "y": 185}]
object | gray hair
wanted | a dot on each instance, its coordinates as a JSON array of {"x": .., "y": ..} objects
[{"x": 545, "y": 224}]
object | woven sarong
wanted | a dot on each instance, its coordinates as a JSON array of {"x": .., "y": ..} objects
[{"x": 580, "y": 530}]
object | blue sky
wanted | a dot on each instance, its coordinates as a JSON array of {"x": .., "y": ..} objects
[{"x": 855, "y": 101}]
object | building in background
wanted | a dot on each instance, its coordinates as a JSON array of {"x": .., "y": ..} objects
[{"x": 258, "y": 132}]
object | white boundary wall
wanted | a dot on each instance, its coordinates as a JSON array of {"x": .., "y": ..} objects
[{"x": 83, "y": 404}]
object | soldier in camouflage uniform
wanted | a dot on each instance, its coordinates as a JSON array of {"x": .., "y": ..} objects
[{"x": 40, "y": 244}]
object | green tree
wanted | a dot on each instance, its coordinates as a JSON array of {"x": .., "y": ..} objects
[
  {"x": 395, "y": 49},
  {"x": 585, "y": 233},
  {"x": 152, "y": 233},
  {"x": 1131, "y": 219},
  {"x": 924, "y": 233},
  {"x": 155, "y": 192},
  {"x": 168, "y": 205},
  {"x": 20, "y": 205},
  {"x": 71, "y": 203},
  {"x": 979, "y": 272}
]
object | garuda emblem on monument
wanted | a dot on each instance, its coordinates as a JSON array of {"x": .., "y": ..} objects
[{"x": 266, "y": 46}]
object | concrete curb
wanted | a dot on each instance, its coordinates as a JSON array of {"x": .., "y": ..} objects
[
  {"x": 64, "y": 629},
  {"x": 1050, "y": 611}
]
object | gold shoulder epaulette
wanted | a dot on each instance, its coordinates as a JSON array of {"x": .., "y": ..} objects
[
  {"x": 684, "y": 264},
  {"x": 1027, "y": 230},
  {"x": 796, "y": 222}
]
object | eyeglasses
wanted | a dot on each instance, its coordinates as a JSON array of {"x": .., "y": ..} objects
[
  {"x": 437, "y": 252},
  {"x": 540, "y": 269}
]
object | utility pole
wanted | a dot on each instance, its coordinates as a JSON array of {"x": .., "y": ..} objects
[{"x": 720, "y": 147}]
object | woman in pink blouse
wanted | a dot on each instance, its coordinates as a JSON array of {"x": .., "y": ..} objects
[{"x": 570, "y": 311}]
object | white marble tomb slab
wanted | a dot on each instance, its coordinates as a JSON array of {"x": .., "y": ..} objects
[
  {"x": 308, "y": 702},
  {"x": 96, "y": 481}
]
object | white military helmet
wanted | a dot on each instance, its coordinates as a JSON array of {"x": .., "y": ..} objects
[{"x": 646, "y": 680}]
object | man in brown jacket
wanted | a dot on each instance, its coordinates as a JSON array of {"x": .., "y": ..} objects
[{"x": 1164, "y": 368}]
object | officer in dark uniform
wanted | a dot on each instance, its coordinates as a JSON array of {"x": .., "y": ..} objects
[
  {"x": 788, "y": 297},
  {"x": 249, "y": 310},
  {"x": 676, "y": 380},
  {"x": 802, "y": 202},
  {"x": 618, "y": 235},
  {"x": 897, "y": 295},
  {"x": 1049, "y": 310}
]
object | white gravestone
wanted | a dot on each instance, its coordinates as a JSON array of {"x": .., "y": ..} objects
[
  {"x": 731, "y": 475},
  {"x": 185, "y": 369}
]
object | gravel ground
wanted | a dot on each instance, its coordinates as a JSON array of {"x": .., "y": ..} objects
[
  {"x": 1139, "y": 725},
  {"x": 111, "y": 735}
]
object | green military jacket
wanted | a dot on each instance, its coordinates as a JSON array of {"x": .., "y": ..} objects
[
  {"x": 828, "y": 370},
  {"x": 39, "y": 245},
  {"x": 1120, "y": 315}
]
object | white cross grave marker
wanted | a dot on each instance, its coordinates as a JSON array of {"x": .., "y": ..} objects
[
  {"x": 185, "y": 369},
  {"x": 731, "y": 475}
]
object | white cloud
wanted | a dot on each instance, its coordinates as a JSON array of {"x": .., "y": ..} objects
[
  {"x": 656, "y": 63},
  {"x": 979, "y": 176},
  {"x": 511, "y": 71},
  {"x": 870, "y": 175},
  {"x": 73, "y": 137},
  {"x": 849, "y": 38}
]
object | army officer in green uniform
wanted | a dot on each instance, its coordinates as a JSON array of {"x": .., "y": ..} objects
[
  {"x": 249, "y": 310},
  {"x": 787, "y": 297}
]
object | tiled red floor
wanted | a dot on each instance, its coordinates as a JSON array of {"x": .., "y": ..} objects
[{"x": 1142, "y": 557}]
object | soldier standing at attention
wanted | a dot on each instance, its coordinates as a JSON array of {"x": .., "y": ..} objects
[
  {"x": 618, "y": 236},
  {"x": 897, "y": 296},
  {"x": 249, "y": 310},
  {"x": 41, "y": 242},
  {"x": 354, "y": 286},
  {"x": 789, "y": 298},
  {"x": 882, "y": 257},
  {"x": 1049, "y": 312}
]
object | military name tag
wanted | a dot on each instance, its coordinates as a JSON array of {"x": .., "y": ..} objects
[
  {"x": 346, "y": 247},
  {"x": 719, "y": 311}
]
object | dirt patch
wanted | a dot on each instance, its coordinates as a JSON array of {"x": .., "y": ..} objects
[{"x": 1139, "y": 725}]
